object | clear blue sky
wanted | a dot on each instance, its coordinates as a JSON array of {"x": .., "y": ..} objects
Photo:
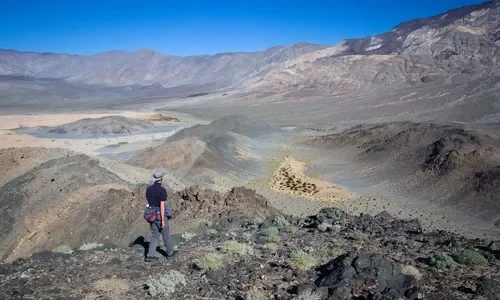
[{"x": 187, "y": 27}]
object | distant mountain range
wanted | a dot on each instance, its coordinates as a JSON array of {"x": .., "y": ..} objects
[
  {"x": 451, "y": 47},
  {"x": 148, "y": 67},
  {"x": 455, "y": 46}
]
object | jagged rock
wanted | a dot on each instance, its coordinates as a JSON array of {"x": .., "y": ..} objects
[
  {"x": 231, "y": 208},
  {"x": 412, "y": 226},
  {"x": 332, "y": 215},
  {"x": 489, "y": 288},
  {"x": 384, "y": 216},
  {"x": 367, "y": 276},
  {"x": 494, "y": 247}
]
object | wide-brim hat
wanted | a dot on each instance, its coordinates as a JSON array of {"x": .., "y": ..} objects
[{"x": 158, "y": 175}]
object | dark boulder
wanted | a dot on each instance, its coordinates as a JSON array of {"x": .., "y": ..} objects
[
  {"x": 494, "y": 247},
  {"x": 488, "y": 288},
  {"x": 367, "y": 276},
  {"x": 411, "y": 226},
  {"x": 332, "y": 215}
]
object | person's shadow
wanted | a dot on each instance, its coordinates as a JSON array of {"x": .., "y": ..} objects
[{"x": 142, "y": 241}]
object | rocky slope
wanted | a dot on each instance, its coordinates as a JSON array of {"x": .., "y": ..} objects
[
  {"x": 18, "y": 161},
  {"x": 455, "y": 46},
  {"x": 445, "y": 165},
  {"x": 221, "y": 153},
  {"x": 64, "y": 200},
  {"x": 330, "y": 255},
  {"x": 71, "y": 200}
]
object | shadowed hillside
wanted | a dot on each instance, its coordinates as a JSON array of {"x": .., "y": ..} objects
[
  {"x": 445, "y": 165},
  {"x": 224, "y": 152}
]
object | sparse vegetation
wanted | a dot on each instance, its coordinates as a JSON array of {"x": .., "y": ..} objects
[
  {"x": 272, "y": 234},
  {"x": 166, "y": 284},
  {"x": 63, "y": 249},
  {"x": 247, "y": 236},
  {"x": 309, "y": 294},
  {"x": 290, "y": 229},
  {"x": 211, "y": 261},
  {"x": 272, "y": 247},
  {"x": 428, "y": 240},
  {"x": 360, "y": 236},
  {"x": 188, "y": 235},
  {"x": 302, "y": 260},
  {"x": 441, "y": 261},
  {"x": 327, "y": 253},
  {"x": 238, "y": 249},
  {"x": 257, "y": 221},
  {"x": 255, "y": 294},
  {"x": 470, "y": 258},
  {"x": 212, "y": 231},
  {"x": 281, "y": 222},
  {"x": 90, "y": 246}
]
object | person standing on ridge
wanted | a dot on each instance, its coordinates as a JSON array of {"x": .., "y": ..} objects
[{"x": 157, "y": 197}]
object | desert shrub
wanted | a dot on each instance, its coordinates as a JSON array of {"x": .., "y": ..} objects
[
  {"x": 327, "y": 253},
  {"x": 247, "y": 236},
  {"x": 303, "y": 260},
  {"x": 360, "y": 236},
  {"x": 281, "y": 221},
  {"x": 309, "y": 294},
  {"x": 272, "y": 234},
  {"x": 441, "y": 261},
  {"x": 235, "y": 248},
  {"x": 90, "y": 246},
  {"x": 255, "y": 294},
  {"x": 411, "y": 271},
  {"x": 165, "y": 285},
  {"x": 211, "y": 261},
  {"x": 470, "y": 258},
  {"x": 428, "y": 240},
  {"x": 272, "y": 247},
  {"x": 212, "y": 231},
  {"x": 323, "y": 227},
  {"x": 257, "y": 220},
  {"x": 188, "y": 235},
  {"x": 63, "y": 249},
  {"x": 290, "y": 229}
]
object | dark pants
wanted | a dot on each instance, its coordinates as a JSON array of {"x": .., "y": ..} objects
[{"x": 167, "y": 240}]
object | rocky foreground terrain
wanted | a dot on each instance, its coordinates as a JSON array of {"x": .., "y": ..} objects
[{"x": 260, "y": 254}]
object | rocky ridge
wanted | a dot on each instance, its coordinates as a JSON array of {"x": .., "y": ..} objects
[
  {"x": 443, "y": 164},
  {"x": 452, "y": 47},
  {"x": 330, "y": 255}
]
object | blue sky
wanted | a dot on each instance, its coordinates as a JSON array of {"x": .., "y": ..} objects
[{"x": 189, "y": 27}]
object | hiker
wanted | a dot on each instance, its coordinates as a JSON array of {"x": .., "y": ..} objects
[{"x": 157, "y": 197}]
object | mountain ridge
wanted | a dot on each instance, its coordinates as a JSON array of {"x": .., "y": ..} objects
[{"x": 218, "y": 71}]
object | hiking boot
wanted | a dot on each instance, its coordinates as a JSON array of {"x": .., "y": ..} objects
[
  {"x": 172, "y": 255},
  {"x": 151, "y": 259}
]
